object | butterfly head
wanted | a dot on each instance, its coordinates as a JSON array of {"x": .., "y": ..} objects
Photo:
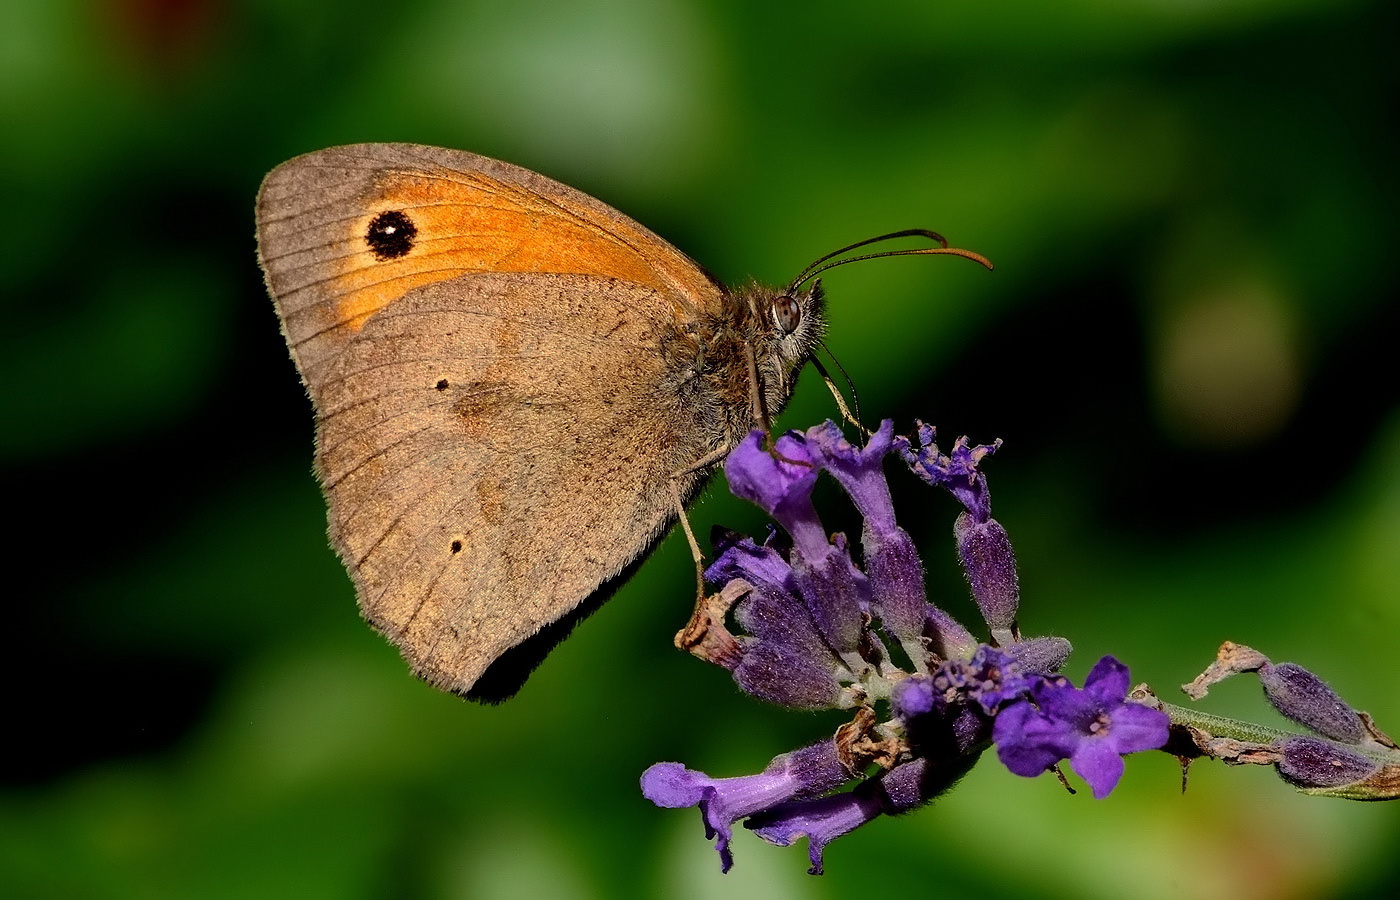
[{"x": 784, "y": 328}]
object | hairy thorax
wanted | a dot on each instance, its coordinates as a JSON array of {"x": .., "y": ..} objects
[{"x": 733, "y": 371}]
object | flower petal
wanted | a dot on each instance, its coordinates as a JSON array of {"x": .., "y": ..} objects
[
  {"x": 1099, "y": 764},
  {"x": 1135, "y": 728},
  {"x": 820, "y": 821},
  {"x": 780, "y": 482},
  {"x": 1107, "y": 681}
]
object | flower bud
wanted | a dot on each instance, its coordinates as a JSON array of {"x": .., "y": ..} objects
[
  {"x": 1308, "y": 762},
  {"x": 946, "y": 636},
  {"x": 1040, "y": 655},
  {"x": 780, "y": 674},
  {"x": 914, "y": 697},
  {"x": 896, "y": 582},
  {"x": 1303, "y": 697},
  {"x": 990, "y": 567}
]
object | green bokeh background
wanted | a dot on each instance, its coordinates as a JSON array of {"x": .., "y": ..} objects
[{"x": 1187, "y": 346}]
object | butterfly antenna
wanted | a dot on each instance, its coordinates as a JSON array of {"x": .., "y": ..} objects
[
  {"x": 830, "y": 261},
  {"x": 846, "y": 413}
]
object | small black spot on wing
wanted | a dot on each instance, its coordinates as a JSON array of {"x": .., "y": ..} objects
[{"x": 390, "y": 234}]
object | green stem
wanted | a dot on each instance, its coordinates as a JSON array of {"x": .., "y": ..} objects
[{"x": 1219, "y": 726}]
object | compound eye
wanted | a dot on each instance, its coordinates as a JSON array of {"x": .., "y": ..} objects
[{"x": 787, "y": 315}]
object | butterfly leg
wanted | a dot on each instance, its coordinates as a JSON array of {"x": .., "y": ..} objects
[
  {"x": 705, "y": 635},
  {"x": 695, "y": 552},
  {"x": 678, "y": 498},
  {"x": 677, "y": 478}
]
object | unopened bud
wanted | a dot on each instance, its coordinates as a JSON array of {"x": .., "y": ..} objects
[
  {"x": 1308, "y": 762},
  {"x": 896, "y": 582},
  {"x": 990, "y": 567},
  {"x": 782, "y": 675},
  {"x": 1040, "y": 655},
  {"x": 947, "y": 638},
  {"x": 1303, "y": 697}
]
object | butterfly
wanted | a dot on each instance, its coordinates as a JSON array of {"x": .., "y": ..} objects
[{"x": 517, "y": 388}]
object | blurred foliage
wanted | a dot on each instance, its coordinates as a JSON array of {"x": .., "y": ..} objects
[{"x": 1184, "y": 346}]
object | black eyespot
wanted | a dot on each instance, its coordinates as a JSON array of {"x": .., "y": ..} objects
[
  {"x": 390, "y": 234},
  {"x": 787, "y": 315},
  {"x": 456, "y": 546},
  {"x": 441, "y": 385}
]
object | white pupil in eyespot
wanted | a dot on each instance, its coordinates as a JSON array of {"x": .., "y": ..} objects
[{"x": 786, "y": 314}]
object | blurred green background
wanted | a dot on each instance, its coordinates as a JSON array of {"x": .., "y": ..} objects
[{"x": 1187, "y": 346}]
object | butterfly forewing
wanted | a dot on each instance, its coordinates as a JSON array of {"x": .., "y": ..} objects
[{"x": 329, "y": 266}]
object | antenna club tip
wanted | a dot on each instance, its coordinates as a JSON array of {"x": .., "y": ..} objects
[{"x": 975, "y": 257}]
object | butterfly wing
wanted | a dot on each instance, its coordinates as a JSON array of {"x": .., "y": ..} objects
[
  {"x": 496, "y": 432},
  {"x": 468, "y": 213}
]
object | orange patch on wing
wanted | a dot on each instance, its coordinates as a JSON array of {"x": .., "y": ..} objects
[{"x": 476, "y": 224}]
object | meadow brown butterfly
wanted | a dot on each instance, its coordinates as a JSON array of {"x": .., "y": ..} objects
[{"x": 516, "y": 388}]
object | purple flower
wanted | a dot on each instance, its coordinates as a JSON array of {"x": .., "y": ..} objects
[
  {"x": 1093, "y": 728},
  {"x": 808, "y": 772},
  {"x": 825, "y": 819},
  {"x": 812, "y": 619},
  {"x": 891, "y": 563},
  {"x": 780, "y": 482},
  {"x": 859, "y": 470},
  {"x": 992, "y": 678},
  {"x": 955, "y": 471},
  {"x": 821, "y": 821}
]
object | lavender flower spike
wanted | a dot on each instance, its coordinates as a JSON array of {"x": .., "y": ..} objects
[
  {"x": 812, "y": 619},
  {"x": 1093, "y": 728}
]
